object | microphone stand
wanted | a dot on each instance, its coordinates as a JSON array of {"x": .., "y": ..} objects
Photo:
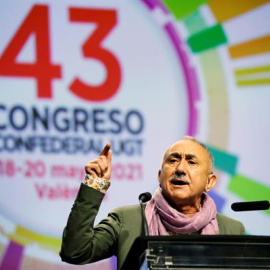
[
  {"x": 143, "y": 198},
  {"x": 144, "y": 221}
]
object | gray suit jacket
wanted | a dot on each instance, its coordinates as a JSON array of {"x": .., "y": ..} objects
[{"x": 114, "y": 235}]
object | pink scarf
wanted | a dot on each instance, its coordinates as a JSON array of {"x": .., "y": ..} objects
[{"x": 161, "y": 217}]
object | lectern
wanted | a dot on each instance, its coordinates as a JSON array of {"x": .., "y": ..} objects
[{"x": 199, "y": 252}]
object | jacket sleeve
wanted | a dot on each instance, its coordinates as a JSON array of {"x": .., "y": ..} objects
[{"x": 81, "y": 243}]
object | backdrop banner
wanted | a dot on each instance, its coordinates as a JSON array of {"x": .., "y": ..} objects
[{"x": 140, "y": 74}]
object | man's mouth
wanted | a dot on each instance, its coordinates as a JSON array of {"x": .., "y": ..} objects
[{"x": 179, "y": 182}]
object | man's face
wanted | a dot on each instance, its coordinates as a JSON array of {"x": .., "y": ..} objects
[{"x": 185, "y": 173}]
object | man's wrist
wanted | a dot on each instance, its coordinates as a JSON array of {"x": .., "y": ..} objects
[{"x": 97, "y": 183}]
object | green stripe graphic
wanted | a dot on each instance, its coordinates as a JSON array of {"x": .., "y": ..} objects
[
  {"x": 224, "y": 161},
  {"x": 195, "y": 23},
  {"x": 182, "y": 8},
  {"x": 207, "y": 39}
]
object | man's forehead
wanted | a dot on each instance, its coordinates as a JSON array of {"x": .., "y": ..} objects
[{"x": 187, "y": 147}]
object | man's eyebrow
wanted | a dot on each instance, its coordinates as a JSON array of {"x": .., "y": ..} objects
[
  {"x": 177, "y": 155},
  {"x": 190, "y": 156}
]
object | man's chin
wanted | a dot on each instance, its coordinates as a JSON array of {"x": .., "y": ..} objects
[{"x": 176, "y": 196}]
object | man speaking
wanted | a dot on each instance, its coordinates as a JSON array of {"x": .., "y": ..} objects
[{"x": 180, "y": 205}]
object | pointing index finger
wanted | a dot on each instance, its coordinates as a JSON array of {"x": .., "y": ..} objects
[{"x": 105, "y": 150}]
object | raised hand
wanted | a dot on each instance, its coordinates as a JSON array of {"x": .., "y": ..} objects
[{"x": 101, "y": 166}]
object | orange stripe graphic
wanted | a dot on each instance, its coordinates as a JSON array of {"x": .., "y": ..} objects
[
  {"x": 227, "y": 9},
  {"x": 255, "y": 46}
]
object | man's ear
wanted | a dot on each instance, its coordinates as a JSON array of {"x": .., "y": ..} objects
[
  {"x": 211, "y": 181},
  {"x": 158, "y": 177}
]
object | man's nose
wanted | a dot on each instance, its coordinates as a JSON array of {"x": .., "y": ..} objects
[{"x": 181, "y": 168}]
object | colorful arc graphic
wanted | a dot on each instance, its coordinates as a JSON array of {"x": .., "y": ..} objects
[
  {"x": 191, "y": 80},
  {"x": 204, "y": 40}
]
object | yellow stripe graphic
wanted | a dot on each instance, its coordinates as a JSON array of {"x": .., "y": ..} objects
[
  {"x": 253, "y": 76},
  {"x": 25, "y": 237}
]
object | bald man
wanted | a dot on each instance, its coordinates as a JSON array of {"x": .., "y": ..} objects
[{"x": 180, "y": 205}]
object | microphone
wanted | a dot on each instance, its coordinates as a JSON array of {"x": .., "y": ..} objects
[
  {"x": 250, "y": 206},
  {"x": 143, "y": 198}
]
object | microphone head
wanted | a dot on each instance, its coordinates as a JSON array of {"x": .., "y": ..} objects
[
  {"x": 145, "y": 197},
  {"x": 250, "y": 206}
]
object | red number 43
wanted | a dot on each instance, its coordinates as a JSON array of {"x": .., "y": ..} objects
[{"x": 44, "y": 71}]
